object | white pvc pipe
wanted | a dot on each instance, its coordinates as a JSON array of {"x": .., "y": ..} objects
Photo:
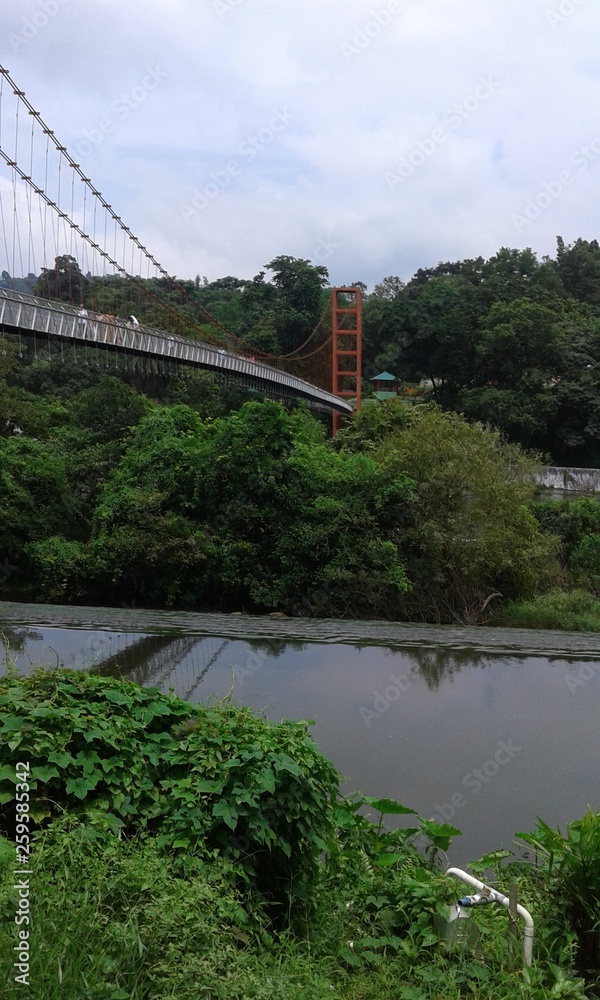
[{"x": 496, "y": 897}]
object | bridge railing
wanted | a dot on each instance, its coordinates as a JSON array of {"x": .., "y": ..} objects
[{"x": 26, "y": 313}]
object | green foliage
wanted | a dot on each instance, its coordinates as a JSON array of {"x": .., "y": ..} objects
[
  {"x": 106, "y": 497},
  {"x": 170, "y": 831},
  {"x": 472, "y": 537},
  {"x": 578, "y": 268},
  {"x": 577, "y": 524},
  {"x": 520, "y": 344},
  {"x": 64, "y": 281},
  {"x": 195, "y": 777},
  {"x": 510, "y": 341},
  {"x": 570, "y": 610},
  {"x": 116, "y": 919},
  {"x": 58, "y": 566},
  {"x": 120, "y": 920},
  {"x": 299, "y": 300},
  {"x": 571, "y": 867},
  {"x": 35, "y": 502},
  {"x": 108, "y": 410},
  {"x": 253, "y": 510},
  {"x": 571, "y": 520},
  {"x": 585, "y": 563}
]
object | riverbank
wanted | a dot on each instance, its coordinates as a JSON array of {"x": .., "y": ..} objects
[
  {"x": 194, "y": 851},
  {"x": 479, "y": 638},
  {"x": 412, "y": 719}
]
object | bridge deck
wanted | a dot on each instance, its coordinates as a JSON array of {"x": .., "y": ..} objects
[{"x": 28, "y": 314}]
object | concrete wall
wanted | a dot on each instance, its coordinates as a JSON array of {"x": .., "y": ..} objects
[{"x": 570, "y": 480}]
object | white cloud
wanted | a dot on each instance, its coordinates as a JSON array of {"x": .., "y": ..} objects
[{"x": 317, "y": 188}]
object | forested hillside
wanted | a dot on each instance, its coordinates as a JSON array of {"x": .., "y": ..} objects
[{"x": 118, "y": 486}]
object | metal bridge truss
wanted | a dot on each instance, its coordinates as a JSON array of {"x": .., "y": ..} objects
[{"x": 28, "y": 315}]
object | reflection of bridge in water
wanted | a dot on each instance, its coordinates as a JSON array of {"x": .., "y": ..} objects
[{"x": 153, "y": 660}]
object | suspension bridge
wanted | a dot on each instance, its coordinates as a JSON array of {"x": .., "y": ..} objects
[{"x": 93, "y": 271}]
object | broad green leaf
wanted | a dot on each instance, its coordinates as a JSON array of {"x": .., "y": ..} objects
[
  {"x": 117, "y": 697},
  {"x": 44, "y": 772},
  {"x": 12, "y": 695},
  {"x": 208, "y": 786},
  {"x": 389, "y": 807},
  {"x": 42, "y": 712},
  {"x": 13, "y": 724},
  {"x": 61, "y": 758},
  {"x": 81, "y": 786},
  {"x": 39, "y": 811},
  {"x": 227, "y": 812},
  {"x": 93, "y": 734},
  {"x": 283, "y": 762},
  {"x": 386, "y": 860}
]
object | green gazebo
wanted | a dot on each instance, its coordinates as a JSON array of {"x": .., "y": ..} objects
[{"x": 386, "y": 386}]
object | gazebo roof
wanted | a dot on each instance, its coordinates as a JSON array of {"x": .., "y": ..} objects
[{"x": 384, "y": 377}]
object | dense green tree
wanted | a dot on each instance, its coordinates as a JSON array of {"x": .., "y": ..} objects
[
  {"x": 440, "y": 323},
  {"x": 472, "y": 538},
  {"x": 253, "y": 511},
  {"x": 578, "y": 269},
  {"x": 256, "y": 325},
  {"x": 516, "y": 274},
  {"x": 35, "y": 503},
  {"x": 388, "y": 288},
  {"x": 64, "y": 281},
  {"x": 299, "y": 305},
  {"x": 521, "y": 344}
]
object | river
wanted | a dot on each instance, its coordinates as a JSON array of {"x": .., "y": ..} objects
[{"x": 485, "y": 728}]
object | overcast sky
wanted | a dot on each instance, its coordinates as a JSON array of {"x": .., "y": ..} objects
[{"x": 372, "y": 137}]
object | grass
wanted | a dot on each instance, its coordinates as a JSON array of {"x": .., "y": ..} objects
[
  {"x": 569, "y": 611},
  {"x": 128, "y": 910},
  {"x": 122, "y": 920}
]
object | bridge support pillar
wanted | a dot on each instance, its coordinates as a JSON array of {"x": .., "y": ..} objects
[{"x": 346, "y": 310}]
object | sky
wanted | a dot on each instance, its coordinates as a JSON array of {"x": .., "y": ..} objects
[{"x": 373, "y": 138}]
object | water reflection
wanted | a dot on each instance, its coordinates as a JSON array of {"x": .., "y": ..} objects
[
  {"x": 488, "y": 738},
  {"x": 14, "y": 639},
  {"x": 441, "y": 664}
]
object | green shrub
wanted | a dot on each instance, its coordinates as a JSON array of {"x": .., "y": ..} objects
[
  {"x": 470, "y": 537},
  {"x": 571, "y": 520},
  {"x": 168, "y": 831},
  {"x": 117, "y": 920},
  {"x": 571, "y": 611},
  {"x": 198, "y": 778},
  {"x": 585, "y": 563},
  {"x": 58, "y": 566},
  {"x": 571, "y": 867}
]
